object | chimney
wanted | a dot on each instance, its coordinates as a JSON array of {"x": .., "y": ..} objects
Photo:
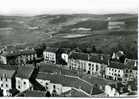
[
  {"x": 101, "y": 57},
  {"x": 88, "y": 57},
  {"x": 135, "y": 64}
]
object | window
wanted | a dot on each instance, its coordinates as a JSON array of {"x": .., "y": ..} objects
[
  {"x": 89, "y": 64},
  {"x": 1, "y": 78},
  {"x": 19, "y": 87},
  {"x": 6, "y": 79},
  {"x": 1, "y": 85},
  {"x": 24, "y": 83},
  {"x": 115, "y": 70},
  {"x": 6, "y": 85}
]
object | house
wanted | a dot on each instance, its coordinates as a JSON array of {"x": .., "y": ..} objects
[
  {"x": 134, "y": 66},
  {"x": 7, "y": 80},
  {"x": 18, "y": 57},
  {"x": 132, "y": 62},
  {"x": 118, "y": 56},
  {"x": 24, "y": 76},
  {"x": 90, "y": 64},
  {"x": 65, "y": 55},
  {"x": 118, "y": 71},
  {"x": 45, "y": 82},
  {"x": 50, "y": 55},
  {"x": 116, "y": 90}
]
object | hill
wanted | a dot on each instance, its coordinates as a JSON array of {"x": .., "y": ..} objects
[{"x": 52, "y": 30}]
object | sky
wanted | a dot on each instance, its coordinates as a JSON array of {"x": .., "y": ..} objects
[{"x": 36, "y": 7}]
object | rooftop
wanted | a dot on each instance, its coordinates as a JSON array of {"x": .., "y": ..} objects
[
  {"x": 18, "y": 53},
  {"x": 94, "y": 57},
  {"x": 69, "y": 81},
  {"x": 9, "y": 67},
  {"x": 50, "y": 49},
  {"x": 77, "y": 55},
  {"x": 6, "y": 73},
  {"x": 118, "y": 65},
  {"x": 25, "y": 71},
  {"x": 30, "y": 93}
]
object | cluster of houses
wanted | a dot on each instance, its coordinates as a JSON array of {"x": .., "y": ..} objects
[{"x": 18, "y": 75}]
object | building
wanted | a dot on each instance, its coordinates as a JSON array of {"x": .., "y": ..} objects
[
  {"x": 132, "y": 62},
  {"x": 118, "y": 71},
  {"x": 18, "y": 57},
  {"x": 50, "y": 55},
  {"x": 116, "y": 90},
  {"x": 134, "y": 66},
  {"x": 90, "y": 64},
  {"x": 7, "y": 79},
  {"x": 45, "y": 82},
  {"x": 118, "y": 56},
  {"x": 65, "y": 55},
  {"x": 24, "y": 77}
]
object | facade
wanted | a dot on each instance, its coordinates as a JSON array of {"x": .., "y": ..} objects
[
  {"x": 118, "y": 71},
  {"x": 65, "y": 55},
  {"x": 7, "y": 79},
  {"x": 18, "y": 58},
  {"x": 50, "y": 55},
  {"x": 23, "y": 77},
  {"x": 90, "y": 64}
]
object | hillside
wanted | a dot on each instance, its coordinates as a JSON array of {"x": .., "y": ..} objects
[{"x": 54, "y": 30}]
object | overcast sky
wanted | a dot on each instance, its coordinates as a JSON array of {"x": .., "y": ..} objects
[{"x": 33, "y": 7}]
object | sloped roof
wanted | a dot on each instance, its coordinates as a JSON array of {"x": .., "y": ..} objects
[
  {"x": 94, "y": 57},
  {"x": 17, "y": 53},
  {"x": 50, "y": 49},
  {"x": 9, "y": 67},
  {"x": 118, "y": 65},
  {"x": 25, "y": 71},
  {"x": 99, "y": 58},
  {"x": 34, "y": 93},
  {"x": 7, "y": 73},
  {"x": 77, "y": 55}
]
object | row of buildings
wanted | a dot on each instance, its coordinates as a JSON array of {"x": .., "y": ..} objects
[
  {"x": 23, "y": 77},
  {"x": 114, "y": 67}
]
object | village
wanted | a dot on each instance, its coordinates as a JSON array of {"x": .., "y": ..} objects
[
  {"x": 61, "y": 72},
  {"x": 48, "y": 71}
]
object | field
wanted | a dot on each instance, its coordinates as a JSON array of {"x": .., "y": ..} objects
[{"x": 55, "y": 30}]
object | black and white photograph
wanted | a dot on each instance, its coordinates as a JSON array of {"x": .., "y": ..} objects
[{"x": 69, "y": 48}]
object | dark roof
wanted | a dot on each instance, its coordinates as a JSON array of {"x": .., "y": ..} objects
[
  {"x": 46, "y": 67},
  {"x": 99, "y": 58},
  {"x": 18, "y": 53},
  {"x": 25, "y": 71},
  {"x": 44, "y": 76},
  {"x": 9, "y": 67},
  {"x": 65, "y": 50},
  {"x": 77, "y": 55},
  {"x": 34, "y": 93},
  {"x": 118, "y": 65},
  {"x": 8, "y": 73},
  {"x": 50, "y": 49}
]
